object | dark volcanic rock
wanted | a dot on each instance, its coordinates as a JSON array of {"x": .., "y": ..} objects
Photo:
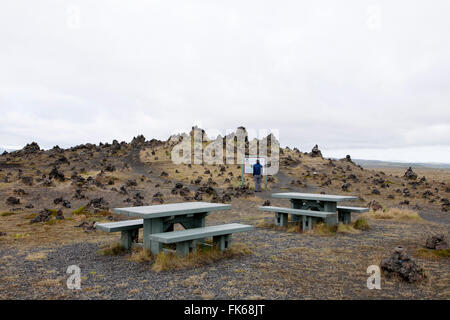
[
  {"x": 28, "y": 181},
  {"x": 374, "y": 205},
  {"x": 375, "y": 191},
  {"x": 87, "y": 227},
  {"x": 31, "y": 148},
  {"x": 98, "y": 204},
  {"x": 131, "y": 183},
  {"x": 437, "y": 242},
  {"x": 138, "y": 142},
  {"x": 400, "y": 263},
  {"x": 315, "y": 152},
  {"x": 43, "y": 216},
  {"x": 410, "y": 174},
  {"x": 110, "y": 168},
  {"x": 57, "y": 175},
  {"x": 12, "y": 201}
]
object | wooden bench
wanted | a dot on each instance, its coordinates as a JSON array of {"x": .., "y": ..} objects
[
  {"x": 345, "y": 213},
  {"x": 129, "y": 229},
  {"x": 308, "y": 216},
  {"x": 186, "y": 240}
]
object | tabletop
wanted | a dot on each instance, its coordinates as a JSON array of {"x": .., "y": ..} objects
[
  {"x": 313, "y": 196},
  {"x": 171, "y": 209}
]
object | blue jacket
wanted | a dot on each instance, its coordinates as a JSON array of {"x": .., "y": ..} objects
[{"x": 257, "y": 169}]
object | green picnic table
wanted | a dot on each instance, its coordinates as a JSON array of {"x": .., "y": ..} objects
[
  {"x": 310, "y": 207},
  {"x": 161, "y": 218}
]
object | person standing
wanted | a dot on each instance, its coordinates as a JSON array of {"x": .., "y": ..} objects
[{"x": 257, "y": 177}]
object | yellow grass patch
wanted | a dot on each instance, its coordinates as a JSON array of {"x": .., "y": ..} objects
[
  {"x": 203, "y": 256},
  {"x": 141, "y": 255},
  {"x": 42, "y": 255},
  {"x": 429, "y": 253},
  {"x": 49, "y": 283},
  {"x": 397, "y": 214}
]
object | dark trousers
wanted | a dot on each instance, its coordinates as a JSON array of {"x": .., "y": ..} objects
[{"x": 257, "y": 178}]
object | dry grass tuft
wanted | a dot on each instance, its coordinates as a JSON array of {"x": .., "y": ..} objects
[
  {"x": 112, "y": 250},
  {"x": 320, "y": 228},
  {"x": 396, "y": 214},
  {"x": 7, "y": 213},
  {"x": 347, "y": 229},
  {"x": 37, "y": 256},
  {"x": 141, "y": 255},
  {"x": 49, "y": 283},
  {"x": 204, "y": 256}
]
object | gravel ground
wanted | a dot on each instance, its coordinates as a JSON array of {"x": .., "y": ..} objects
[{"x": 282, "y": 265}]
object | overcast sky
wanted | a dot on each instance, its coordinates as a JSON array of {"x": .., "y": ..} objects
[{"x": 365, "y": 78}]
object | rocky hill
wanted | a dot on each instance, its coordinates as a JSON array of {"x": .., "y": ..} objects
[{"x": 99, "y": 177}]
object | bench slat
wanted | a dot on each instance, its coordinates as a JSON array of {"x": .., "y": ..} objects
[
  {"x": 353, "y": 209},
  {"x": 198, "y": 233},
  {"x": 120, "y": 226},
  {"x": 300, "y": 212}
]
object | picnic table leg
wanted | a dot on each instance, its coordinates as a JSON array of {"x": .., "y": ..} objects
[
  {"x": 310, "y": 223},
  {"x": 193, "y": 246},
  {"x": 281, "y": 219},
  {"x": 126, "y": 238},
  {"x": 227, "y": 241},
  {"x": 219, "y": 242},
  {"x": 304, "y": 226},
  {"x": 152, "y": 226},
  {"x": 199, "y": 221},
  {"x": 296, "y": 204},
  {"x": 182, "y": 248},
  {"x": 331, "y": 207},
  {"x": 345, "y": 217}
]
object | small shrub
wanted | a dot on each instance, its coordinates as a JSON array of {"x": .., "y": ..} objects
[{"x": 361, "y": 224}]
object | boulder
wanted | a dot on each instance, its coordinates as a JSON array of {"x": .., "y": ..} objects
[
  {"x": 374, "y": 205},
  {"x": 31, "y": 148},
  {"x": 12, "y": 201},
  {"x": 437, "y": 242},
  {"x": 43, "y": 216},
  {"x": 401, "y": 264},
  {"x": 315, "y": 152},
  {"x": 28, "y": 181},
  {"x": 410, "y": 174},
  {"x": 57, "y": 175}
]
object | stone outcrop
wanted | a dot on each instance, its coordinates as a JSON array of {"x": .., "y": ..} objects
[
  {"x": 401, "y": 264},
  {"x": 315, "y": 152},
  {"x": 410, "y": 174}
]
